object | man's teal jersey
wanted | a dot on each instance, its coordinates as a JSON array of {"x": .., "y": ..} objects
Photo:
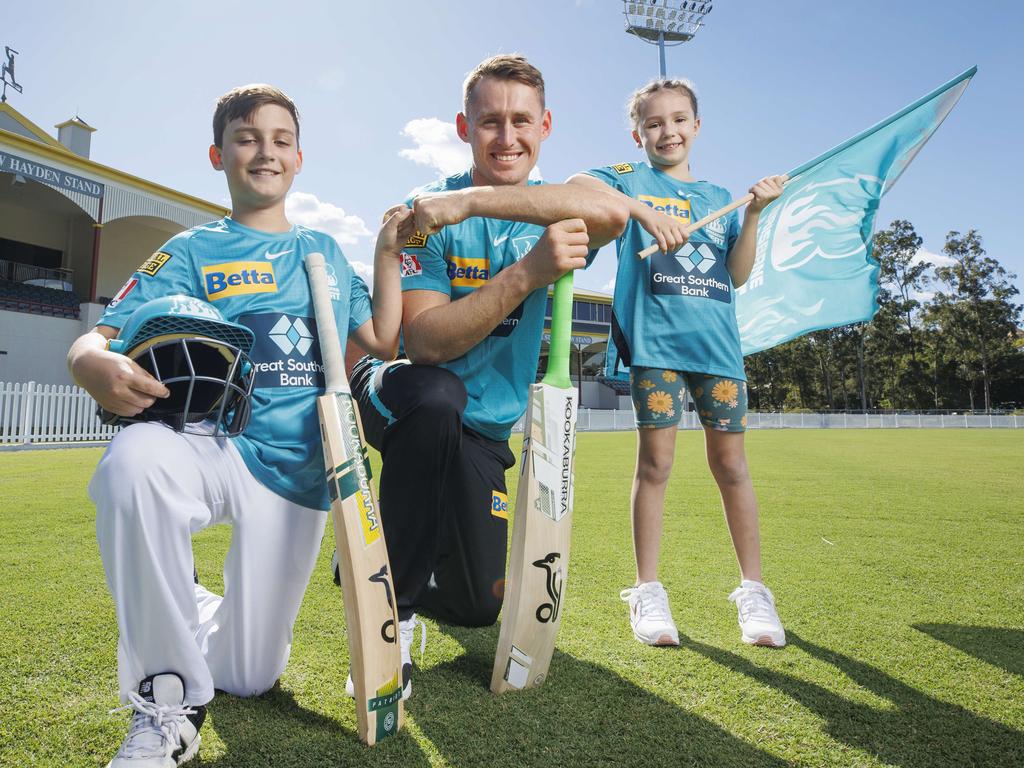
[
  {"x": 674, "y": 311},
  {"x": 258, "y": 279},
  {"x": 460, "y": 258}
]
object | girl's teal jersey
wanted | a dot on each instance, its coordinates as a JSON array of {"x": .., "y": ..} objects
[
  {"x": 462, "y": 257},
  {"x": 258, "y": 279},
  {"x": 674, "y": 311}
]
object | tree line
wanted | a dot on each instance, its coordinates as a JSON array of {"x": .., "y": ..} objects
[{"x": 946, "y": 336}]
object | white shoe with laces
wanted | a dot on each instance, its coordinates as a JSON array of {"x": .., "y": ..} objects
[
  {"x": 759, "y": 622},
  {"x": 406, "y": 631},
  {"x": 164, "y": 732},
  {"x": 650, "y": 615}
]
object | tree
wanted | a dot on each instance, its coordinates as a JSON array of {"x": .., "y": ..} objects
[{"x": 975, "y": 312}]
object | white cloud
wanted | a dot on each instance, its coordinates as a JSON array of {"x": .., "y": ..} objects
[
  {"x": 306, "y": 209},
  {"x": 935, "y": 259},
  {"x": 364, "y": 270},
  {"x": 609, "y": 287},
  {"x": 437, "y": 146}
]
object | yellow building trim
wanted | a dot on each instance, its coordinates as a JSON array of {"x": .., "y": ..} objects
[
  {"x": 43, "y": 136},
  {"x": 61, "y": 154}
]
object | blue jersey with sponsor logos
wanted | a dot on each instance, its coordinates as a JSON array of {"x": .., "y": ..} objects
[
  {"x": 258, "y": 279},
  {"x": 674, "y": 311},
  {"x": 460, "y": 258}
]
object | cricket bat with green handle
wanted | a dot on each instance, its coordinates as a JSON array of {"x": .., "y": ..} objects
[{"x": 542, "y": 522}]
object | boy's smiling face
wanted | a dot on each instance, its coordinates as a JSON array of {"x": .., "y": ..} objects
[{"x": 260, "y": 157}]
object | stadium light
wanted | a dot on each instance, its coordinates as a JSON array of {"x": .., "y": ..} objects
[{"x": 664, "y": 22}]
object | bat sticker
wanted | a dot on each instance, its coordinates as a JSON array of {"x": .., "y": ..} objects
[
  {"x": 548, "y": 612},
  {"x": 387, "y": 629}
]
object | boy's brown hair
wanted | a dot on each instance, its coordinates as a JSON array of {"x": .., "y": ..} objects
[
  {"x": 243, "y": 101},
  {"x": 507, "y": 66}
]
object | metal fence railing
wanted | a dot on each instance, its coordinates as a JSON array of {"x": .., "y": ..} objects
[{"x": 59, "y": 413}]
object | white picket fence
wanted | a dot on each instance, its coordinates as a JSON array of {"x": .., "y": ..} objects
[
  {"x": 53, "y": 413},
  {"x": 48, "y": 413}
]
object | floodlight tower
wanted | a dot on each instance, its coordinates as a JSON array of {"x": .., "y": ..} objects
[{"x": 664, "y": 22}]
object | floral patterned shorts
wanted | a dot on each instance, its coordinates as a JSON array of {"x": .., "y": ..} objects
[{"x": 659, "y": 397}]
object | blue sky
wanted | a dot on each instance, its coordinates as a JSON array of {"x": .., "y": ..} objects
[{"x": 378, "y": 85}]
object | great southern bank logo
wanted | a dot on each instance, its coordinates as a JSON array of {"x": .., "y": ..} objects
[
  {"x": 701, "y": 258},
  {"x": 291, "y": 335}
]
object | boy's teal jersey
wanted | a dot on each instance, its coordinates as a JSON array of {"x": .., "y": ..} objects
[
  {"x": 460, "y": 258},
  {"x": 674, "y": 311},
  {"x": 258, "y": 279}
]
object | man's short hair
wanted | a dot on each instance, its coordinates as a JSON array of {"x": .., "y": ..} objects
[
  {"x": 507, "y": 66},
  {"x": 243, "y": 101}
]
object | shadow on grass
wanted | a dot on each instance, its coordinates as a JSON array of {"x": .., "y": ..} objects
[
  {"x": 275, "y": 730},
  {"x": 584, "y": 715},
  {"x": 998, "y": 646},
  {"x": 918, "y": 731}
]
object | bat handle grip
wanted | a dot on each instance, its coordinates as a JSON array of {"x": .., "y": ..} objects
[{"x": 326, "y": 325}]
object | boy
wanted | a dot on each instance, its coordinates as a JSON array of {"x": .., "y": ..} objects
[{"x": 155, "y": 486}]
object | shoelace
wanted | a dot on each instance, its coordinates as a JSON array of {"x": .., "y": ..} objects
[
  {"x": 651, "y": 598},
  {"x": 150, "y": 719},
  {"x": 754, "y": 602},
  {"x": 407, "y": 629}
]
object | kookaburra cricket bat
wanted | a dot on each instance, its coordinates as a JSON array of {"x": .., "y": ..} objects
[
  {"x": 542, "y": 524},
  {"x": 371, "y": 614}
]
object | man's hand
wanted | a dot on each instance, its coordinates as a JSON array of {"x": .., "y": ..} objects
[
  {"x": 397, "y": 228},
  {"x": 767, "y": 189},
  {"x": 116, "y": 382},
  {"x": 563, "y": 246},
  {"x": 668, "y": 231},
  {"x": 435, "y": 211}
]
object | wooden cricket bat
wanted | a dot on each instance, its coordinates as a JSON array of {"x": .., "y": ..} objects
[
  {"x": 371, "y": 614},
  {"x": 541, "y": 528}
]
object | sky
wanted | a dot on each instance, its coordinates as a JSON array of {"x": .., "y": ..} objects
[{"x": 378, "y": 85}]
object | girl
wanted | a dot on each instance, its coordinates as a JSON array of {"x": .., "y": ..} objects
[{"x": 674, "y": 326}]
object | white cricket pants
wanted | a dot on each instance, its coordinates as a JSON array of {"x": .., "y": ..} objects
[{"x": 153, "y": 489}]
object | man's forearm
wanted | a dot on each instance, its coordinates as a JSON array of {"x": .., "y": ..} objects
[
  {"x": 544, "y": 204},
  {"x": 449, "y": 330}
]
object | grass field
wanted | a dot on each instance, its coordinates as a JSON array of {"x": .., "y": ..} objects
[{"x": 895, "y": 557}]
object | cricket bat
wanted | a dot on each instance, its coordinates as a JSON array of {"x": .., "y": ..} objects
[
  {"x": 371, "y": 614},
  {"x": 542, "y": 524}
]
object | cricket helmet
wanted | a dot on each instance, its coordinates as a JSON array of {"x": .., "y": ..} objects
[{"x": 202, "y": 358}]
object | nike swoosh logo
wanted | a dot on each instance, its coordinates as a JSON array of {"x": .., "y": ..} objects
[
  {"x": 499, "y": 240},
  {"x": 271, "y": 256}
]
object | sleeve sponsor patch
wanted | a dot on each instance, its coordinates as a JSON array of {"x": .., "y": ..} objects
[
  {"x": 622, "y": 168},
  {"x": 154, "y": 263},
  {"x": 410, "y": 265},
  {"x": 416, "y": 240}
]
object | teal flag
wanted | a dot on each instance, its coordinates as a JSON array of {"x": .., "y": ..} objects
[{"x": 813, "y": 268}]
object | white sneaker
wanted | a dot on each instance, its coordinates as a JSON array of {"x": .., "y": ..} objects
[
  {"x": 759, "y": 622},
  {"x": 164, "y": 732},
  {"x": 650, "y": 615},
  {"x": 406, "y": 630}
]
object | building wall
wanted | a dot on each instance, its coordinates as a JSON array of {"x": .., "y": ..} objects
[
  {"x": 35, "y": 347},
  {"x": 124, "y": 245}
]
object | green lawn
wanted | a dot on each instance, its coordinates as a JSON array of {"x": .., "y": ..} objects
[{"x": 895, "y": 557}]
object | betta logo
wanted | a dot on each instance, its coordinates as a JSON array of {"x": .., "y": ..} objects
[
  {"x": 237, "y": 278},
  {"x": 467, "y": 272}
]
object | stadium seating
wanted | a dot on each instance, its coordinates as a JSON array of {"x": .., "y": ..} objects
[{"x": 37, "y": 300}]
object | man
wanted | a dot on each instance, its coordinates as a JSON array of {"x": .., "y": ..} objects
[{"x": 474, "y": 282}]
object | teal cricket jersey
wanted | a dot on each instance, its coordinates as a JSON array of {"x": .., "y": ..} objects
[
  {"x": 675, "y": 311},
  {"x": 497, "y": 372},
  {"x": 258, "y": 279}
]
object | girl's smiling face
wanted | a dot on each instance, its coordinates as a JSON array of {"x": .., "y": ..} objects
[{"x": 666, "y": 127}]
